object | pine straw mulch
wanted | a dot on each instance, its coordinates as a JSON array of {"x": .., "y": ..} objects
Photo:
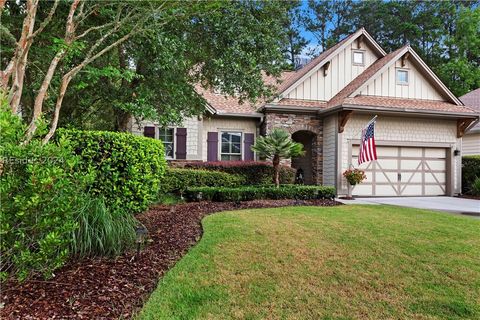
[{"x": 102, "y": 288}]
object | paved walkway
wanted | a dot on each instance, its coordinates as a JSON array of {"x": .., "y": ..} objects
[{"x": 462, "y": 206}]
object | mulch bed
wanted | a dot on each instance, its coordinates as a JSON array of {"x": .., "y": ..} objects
[
  {"x": 102, "y": 288},
  {"x": 468, "y": 196}
]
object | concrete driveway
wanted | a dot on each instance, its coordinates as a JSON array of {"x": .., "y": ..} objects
[{"x": 462, "y": 206}]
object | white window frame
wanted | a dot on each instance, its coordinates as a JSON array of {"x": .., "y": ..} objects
[
  {"x": 221, "y": 153},
  {"x": 173, "y": 142},
  {"x": 402, "y": 83},
  {"x": 363, "y": 58}
]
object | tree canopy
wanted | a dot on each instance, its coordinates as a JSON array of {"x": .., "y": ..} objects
[
  {"x": 446, "y": 34},
  {"x": 103, "y": 61}
]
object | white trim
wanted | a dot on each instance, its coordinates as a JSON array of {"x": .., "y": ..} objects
[
  {"x": 157, "y": 136},
  {"x": 362, "y": 52},
  {"x": 242, "y": 135},
  {"x": 397, "y": 72}
]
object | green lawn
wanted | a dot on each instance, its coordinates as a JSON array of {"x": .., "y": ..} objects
[{"x": 346, "y": 262}]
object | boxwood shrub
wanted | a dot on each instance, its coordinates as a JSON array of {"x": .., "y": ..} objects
[
  {"x": 255, "y": 172},
  {"x": 127, "y": 168},
  {"x": 470, "y": 171},
  {"x": 176, "y": 181},
  {"x": 246, "y": 193}
]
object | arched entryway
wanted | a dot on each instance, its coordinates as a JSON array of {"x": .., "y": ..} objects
[{"x": 305, "y": 162}]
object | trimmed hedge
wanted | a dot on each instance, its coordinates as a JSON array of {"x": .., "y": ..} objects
[
  {"x": 222, "y": 194},
  {"x": 255, "y": 172},
  {"x": 470, "y": 171},
  {"x": 127, "y": 168},
  {"x": 176, "y": 181}
]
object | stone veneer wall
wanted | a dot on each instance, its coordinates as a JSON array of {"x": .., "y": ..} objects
[{"x": 292, "y": 123}]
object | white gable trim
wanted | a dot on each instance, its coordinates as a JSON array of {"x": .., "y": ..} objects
[
  {"x": 440, "y": 86},
  {"x": 328, "y": 58}
]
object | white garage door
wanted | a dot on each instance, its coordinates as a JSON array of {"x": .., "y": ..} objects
[{"x": 403, "y": 171}]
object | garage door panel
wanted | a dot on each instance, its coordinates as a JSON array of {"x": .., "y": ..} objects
[
  {"x": 432, "y": 177},
  {"x": 435, "y": 164},
  {"x": 387, "y": 152},
  {"x": 410, "y": 164},
  {"x": 434, "y": 190},
  {"x": 386, "y": 176},
  {"x": 412, "y": 177},
  {"x": 411, "y": 190},
  {"x": 385, "y": 190},
  {"x": 387, "y": 164},
  {"x": 411, "y": 152},
  {"x": 435, "y": 153}
]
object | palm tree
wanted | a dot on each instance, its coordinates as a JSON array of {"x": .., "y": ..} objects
[{"x": 276, "y": 146}]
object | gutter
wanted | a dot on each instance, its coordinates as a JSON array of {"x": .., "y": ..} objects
[
  {"x": 445, "y": 114},
  {"x": 239, "y": 115}
]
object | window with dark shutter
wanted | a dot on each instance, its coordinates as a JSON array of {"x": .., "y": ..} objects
[{"x": 149, "y": 132}]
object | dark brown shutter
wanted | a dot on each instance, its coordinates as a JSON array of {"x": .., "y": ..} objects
[
  {"x": 181, "y": 152},
  {"x": 212, "y": 146},
  {"x": 247, "y": 146},
  {"x": 149, "y": 132}
]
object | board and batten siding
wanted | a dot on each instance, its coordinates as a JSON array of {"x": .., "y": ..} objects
[
  {"x": 243, "y": 125},
  {"x": 340, "y": 73},
  {"x": 329, "y": 149},
  {"x": 385, "y": 84},
  {"x": 471, "y": 143},
  {"x": 401, "y": 130}
]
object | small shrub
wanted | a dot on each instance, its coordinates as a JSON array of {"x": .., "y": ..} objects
[
  {"x": 476, "y": 186},
  {"x": 254, "y": 172},
  {"x": 100, "y": 231},
  {"x": 470, "y": 171},
  {"x": 222, "y": 194},
  {"x": 127, "y": 168},
  {"x": 176, "y": 181}
]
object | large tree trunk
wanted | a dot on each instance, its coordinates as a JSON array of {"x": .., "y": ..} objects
[
  {"x": 276, "y": 171},
  {"x": 122, "y": 120}
]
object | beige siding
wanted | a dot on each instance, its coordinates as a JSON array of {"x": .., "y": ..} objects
[
  {"x": 386, "y": 85},
  {"x": 401, "y": 130},
  {"x": 340, "y": 73},
  {"x": 194, "y": 135},
  {"x": 227, "y": 124},
  {"x": 471, "y": 143},
  {"x": 329, "y": 137}
]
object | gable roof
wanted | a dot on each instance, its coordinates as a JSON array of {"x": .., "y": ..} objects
[
  {"x": 350, "y": 94},
  {"x": 224, "y": 104},
  {"x": 472, "y": 99},
  {"x": 300, "y": 75},
  {"x": 422, "y": 66}
]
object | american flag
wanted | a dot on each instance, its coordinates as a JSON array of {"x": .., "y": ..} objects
[{"x": 368, "y": 151}]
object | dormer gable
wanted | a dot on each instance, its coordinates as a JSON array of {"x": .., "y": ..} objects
[
  {"x": 332, "y": 70},
  {"x": 405, "y": 75}
]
